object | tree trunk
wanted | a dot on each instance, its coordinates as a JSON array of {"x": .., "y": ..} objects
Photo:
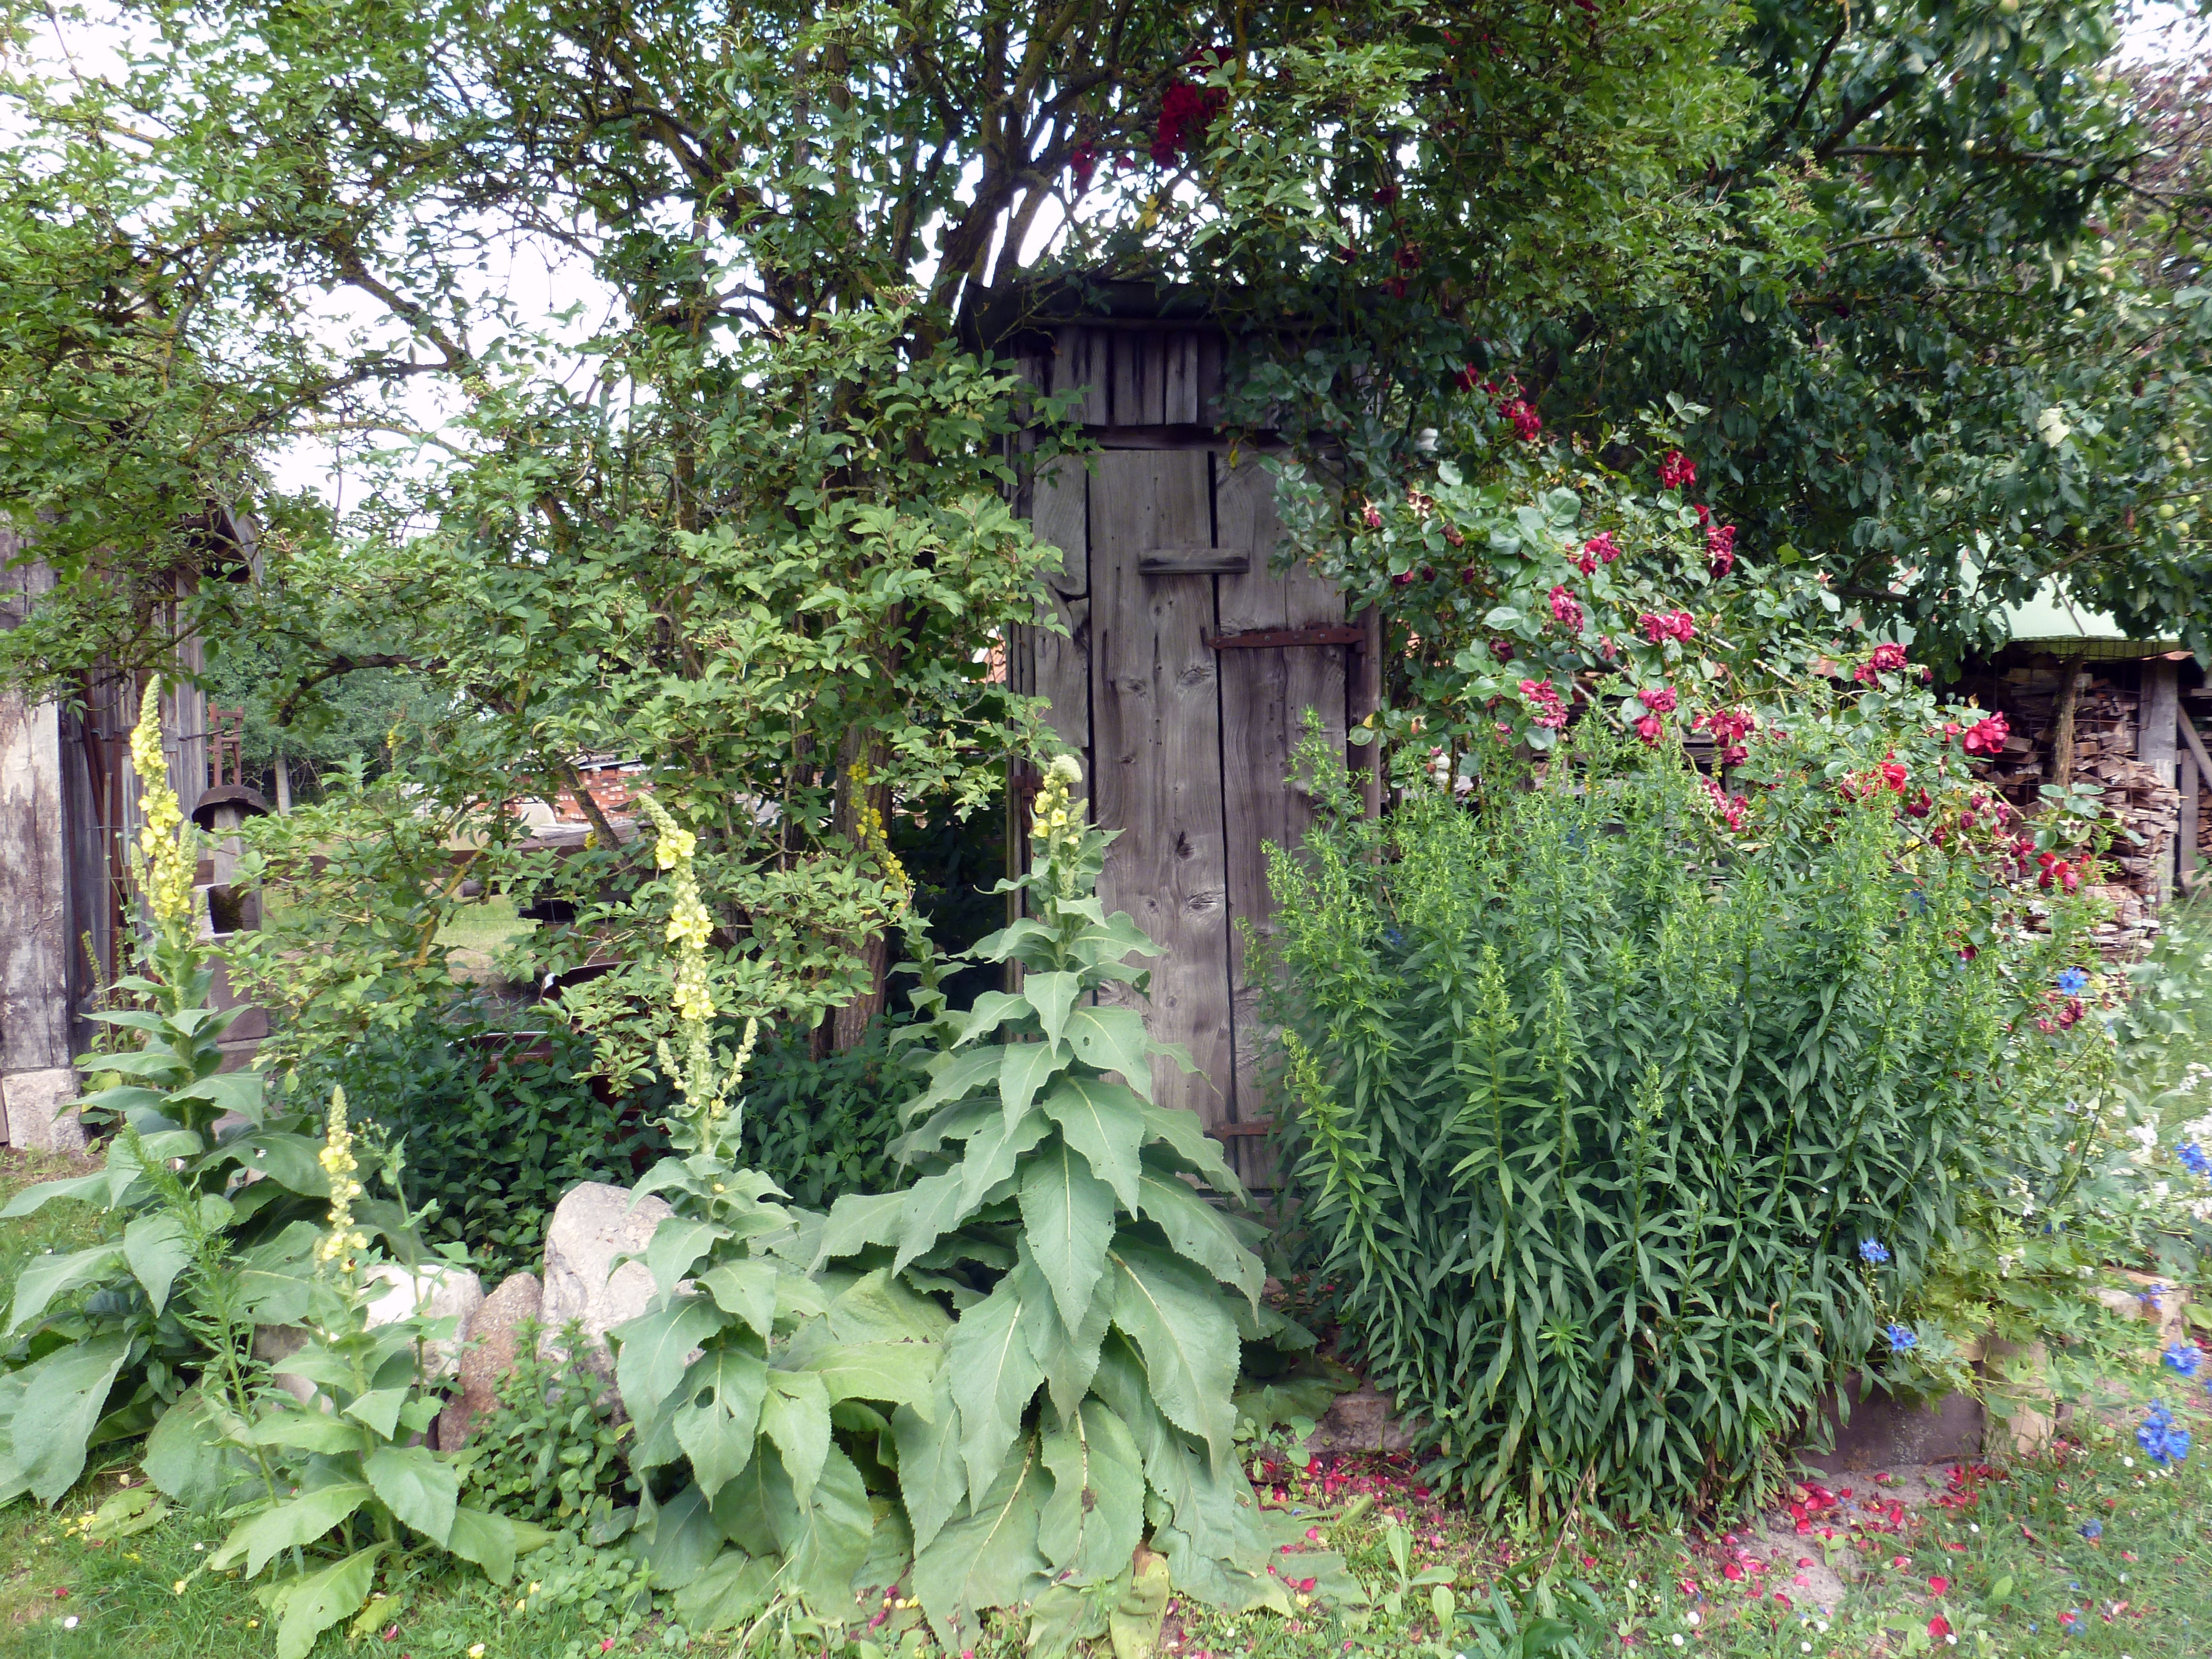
[{"x": 2062, "y": 737}]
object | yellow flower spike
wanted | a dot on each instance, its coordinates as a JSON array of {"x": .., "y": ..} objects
[
  {"x": 337, "y": 1160},
  {"x": 169, "y": 863}
]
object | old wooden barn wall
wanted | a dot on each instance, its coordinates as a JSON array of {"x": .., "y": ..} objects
[{"x": 1182, "y": 678}]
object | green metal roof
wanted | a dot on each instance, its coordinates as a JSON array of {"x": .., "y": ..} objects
[{"x": 2053, "y": 622}]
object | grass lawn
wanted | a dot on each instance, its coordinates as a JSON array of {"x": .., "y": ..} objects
[
  {"x": 479, "y": 932},
  {"x": 2088, "y": 1551}
]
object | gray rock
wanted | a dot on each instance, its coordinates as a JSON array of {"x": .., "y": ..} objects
[
  {"x": 591, "y": 1225},
  {"x": 494, "y": 1341},
  {"x": 1362, "y": 1420},
  {"x": 437, "y": 1292},
  {"x": 34, "y": 1111}
]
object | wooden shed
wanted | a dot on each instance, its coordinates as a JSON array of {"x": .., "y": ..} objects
[
  {"x": 68, "y": 819},
  {"x": 1182, "y": 669}
]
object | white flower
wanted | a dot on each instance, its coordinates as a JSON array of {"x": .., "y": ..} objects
[
  {"x": 69, "y": 1623},
  {"x": 1690, "y": 1618},
  {"x": 1677, "y": 1639}
]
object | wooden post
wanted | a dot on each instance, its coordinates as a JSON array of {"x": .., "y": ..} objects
[
  {"x": 2062, "y": 739},
  {"x": 2200, "y": 763},
  {"x": 2185, "y": 851},
  {"x": 2157, "y": 735}
]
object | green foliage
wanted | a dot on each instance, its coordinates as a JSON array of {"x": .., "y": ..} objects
[
  {"x": 551, "y": 1453},
  {"x": 1030, "y": 1346},
  {"x": 494, "y": 1126},
  {"x": 1635, "y": 1085},
  {"x": 822, "y": 1129}
]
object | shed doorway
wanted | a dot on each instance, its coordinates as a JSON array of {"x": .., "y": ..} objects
[{"x": 1183, "y": 681}]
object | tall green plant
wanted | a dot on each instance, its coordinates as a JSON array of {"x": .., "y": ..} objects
[
  {"x": 1031, "y": 1345},
  {"x": 201, "y": 1172},
  {"x": 1600, "y": 1089}
]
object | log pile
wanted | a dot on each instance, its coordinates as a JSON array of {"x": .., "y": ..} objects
[{"x": 2107, "y": 708}]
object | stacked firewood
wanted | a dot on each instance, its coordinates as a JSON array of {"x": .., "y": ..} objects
[{"x": 2106, "y": 717}]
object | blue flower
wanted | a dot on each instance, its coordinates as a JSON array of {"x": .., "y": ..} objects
[
  {"x": 2193, "y": 1159},
  {"x": 2149, "y": 1294},
  {"x": 1901, "y": 1338},
  {"x": 1871, "y": 1252},
  {"x": 2093, "y": 1529},
  {"x": 2184, "y": 1358},
  {"x": 2073, "y": 981},
  {"x": 2159, "y": 1435}
]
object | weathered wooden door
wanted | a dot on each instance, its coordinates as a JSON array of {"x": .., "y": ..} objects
[{"x": 1184, "y": 677}]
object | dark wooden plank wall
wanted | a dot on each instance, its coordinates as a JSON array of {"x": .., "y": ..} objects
[{"x": 1187, "y": 750}]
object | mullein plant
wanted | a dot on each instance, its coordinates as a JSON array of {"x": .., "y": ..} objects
[
  {"x": 1033, "y": 1345},
  {"x": 353, "y": 1479},
  {"x": 213, "y": 1197}
]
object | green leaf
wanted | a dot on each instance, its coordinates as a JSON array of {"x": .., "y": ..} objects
[
  {"x": 43, "y": 1277},
  {"x": 993, "y": 1376},
  {"x": 952, "y": 1076},
  {"x": 130, "y": 1512},
  {"x": 188, "y": 1455},
  {"x": 1095, "y": 1517},
  {"x": 379, "y": 1409},
  {"x": 1173, "y": 1312},
  {"x": 292, "y": 1525},
  {"x": 795, "y": 1415},
  {"x": 1132, "y": 1628},
  {"x": 720, "y": 1418},
  {"x": 1023, "y": 1068},
  {"x": 1113, "y": 1040},
  {"x": 1201, "y": 1232},
  {"x": 744, "y": 1290},
  {"x": 904, "y": 1373},
  {"x": 677, "y": 1244},
  {"x": 991, "y": 1009},
  {"x": 989, "y": 1557},
  {"x": 1105, "y": 1122},
  {"x": 156, "y": 1247},
  {"x": 932, "y": 1480},
  {"x": 1067, "y": 1356},
  {"x": 64, "y": 1395},
  {"x": 732, "y": 1590},
  {"x": 1187, "y": 1138},
  {"x": 879, "y": 1307},
  {"x": 416, "y": 1485},
  {"x": 490, "y": 1540},
  {"x": 1067, "y": 1218},
  {"x": 90, "y": 1188},
  {"x": 681, "y": 1538},
  {"x": 927, "y": 1211},
  {"x": 1052, "y": 995},
  {"x": 825, "y": 1548},
  {"x": 655, "y": 1349},
  {"x": 858, "y": 1220},
  {"x": 307, "y": 1606},
  {"x": 311, "y": 1431},
  {"x": 993, "y": 1152}
]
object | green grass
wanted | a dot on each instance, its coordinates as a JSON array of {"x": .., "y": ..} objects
[{"x": 479, "y": 932}]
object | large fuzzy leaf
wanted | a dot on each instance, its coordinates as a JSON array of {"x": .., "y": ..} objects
[
  {"x": 989, "y": 1558},
  {"x": 43, "y": 1277},
  {"x": 189, "y": 1456},
  {"x": 1113, "y": 1040},
  {"x": 795, "y": 1415},
  {"x": 902, "y": 1373},
  {"x": 655, "y": 1350},
  {"x": 1052, "y": 995},
  {"x": 680, "y": 1537},
  {"x": 991, "y": 1009},
  {"x": 732, "y": 1591},
  {"x": 1187, "y": 1138},
  {"x": 877, "y": 1306},
  {"x": 1174, "y": 1313},
  {"x": 1200, "y": 1232},
  {"x": 91, "y": 1188},
  {"x": 927, "y": 1211},
  {"x": 950, "y": 1077},
  {"x": 859, "y": 1219},
  {"x": 1212, "y": 1506},
  {"x": 994, "y": 1377},
  {"x": 993, "y": 1152},
  {"x": 679, "y": 1243},
  {"x": 932, "y": 1480},
  {"x": 830, "y": 1540},
  {"x": 1068, "y": 1356},
  {"x": 1095, "y": 1515},
  {"x": 306, "y": 1607},
  {"x": 292, "y": 1525},
  {"x": 416, "y": 1486},
  {"x": 746, "y": 1290},
  {"x": 1067, "y": 1219},
  {"x": 1105, "y": 1122},
  {"x": 61, "y": 1402},
  {"x": 1023, "y": 1068},
  {"x": 720, "y": 1418}
]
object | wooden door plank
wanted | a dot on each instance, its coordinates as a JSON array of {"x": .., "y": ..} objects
[
  {"x": 1156, "y": 727},
  {"x": 1080, "y": 361},
  {"x": 1140, "y": 378},
  {"x": 1181, "y": 389},
  {"x": 1059, "y": 515},
  {"x": 1265, "y": 693}
]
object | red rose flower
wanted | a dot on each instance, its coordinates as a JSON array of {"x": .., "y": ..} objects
[{"x": 1677, "y": 470}]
